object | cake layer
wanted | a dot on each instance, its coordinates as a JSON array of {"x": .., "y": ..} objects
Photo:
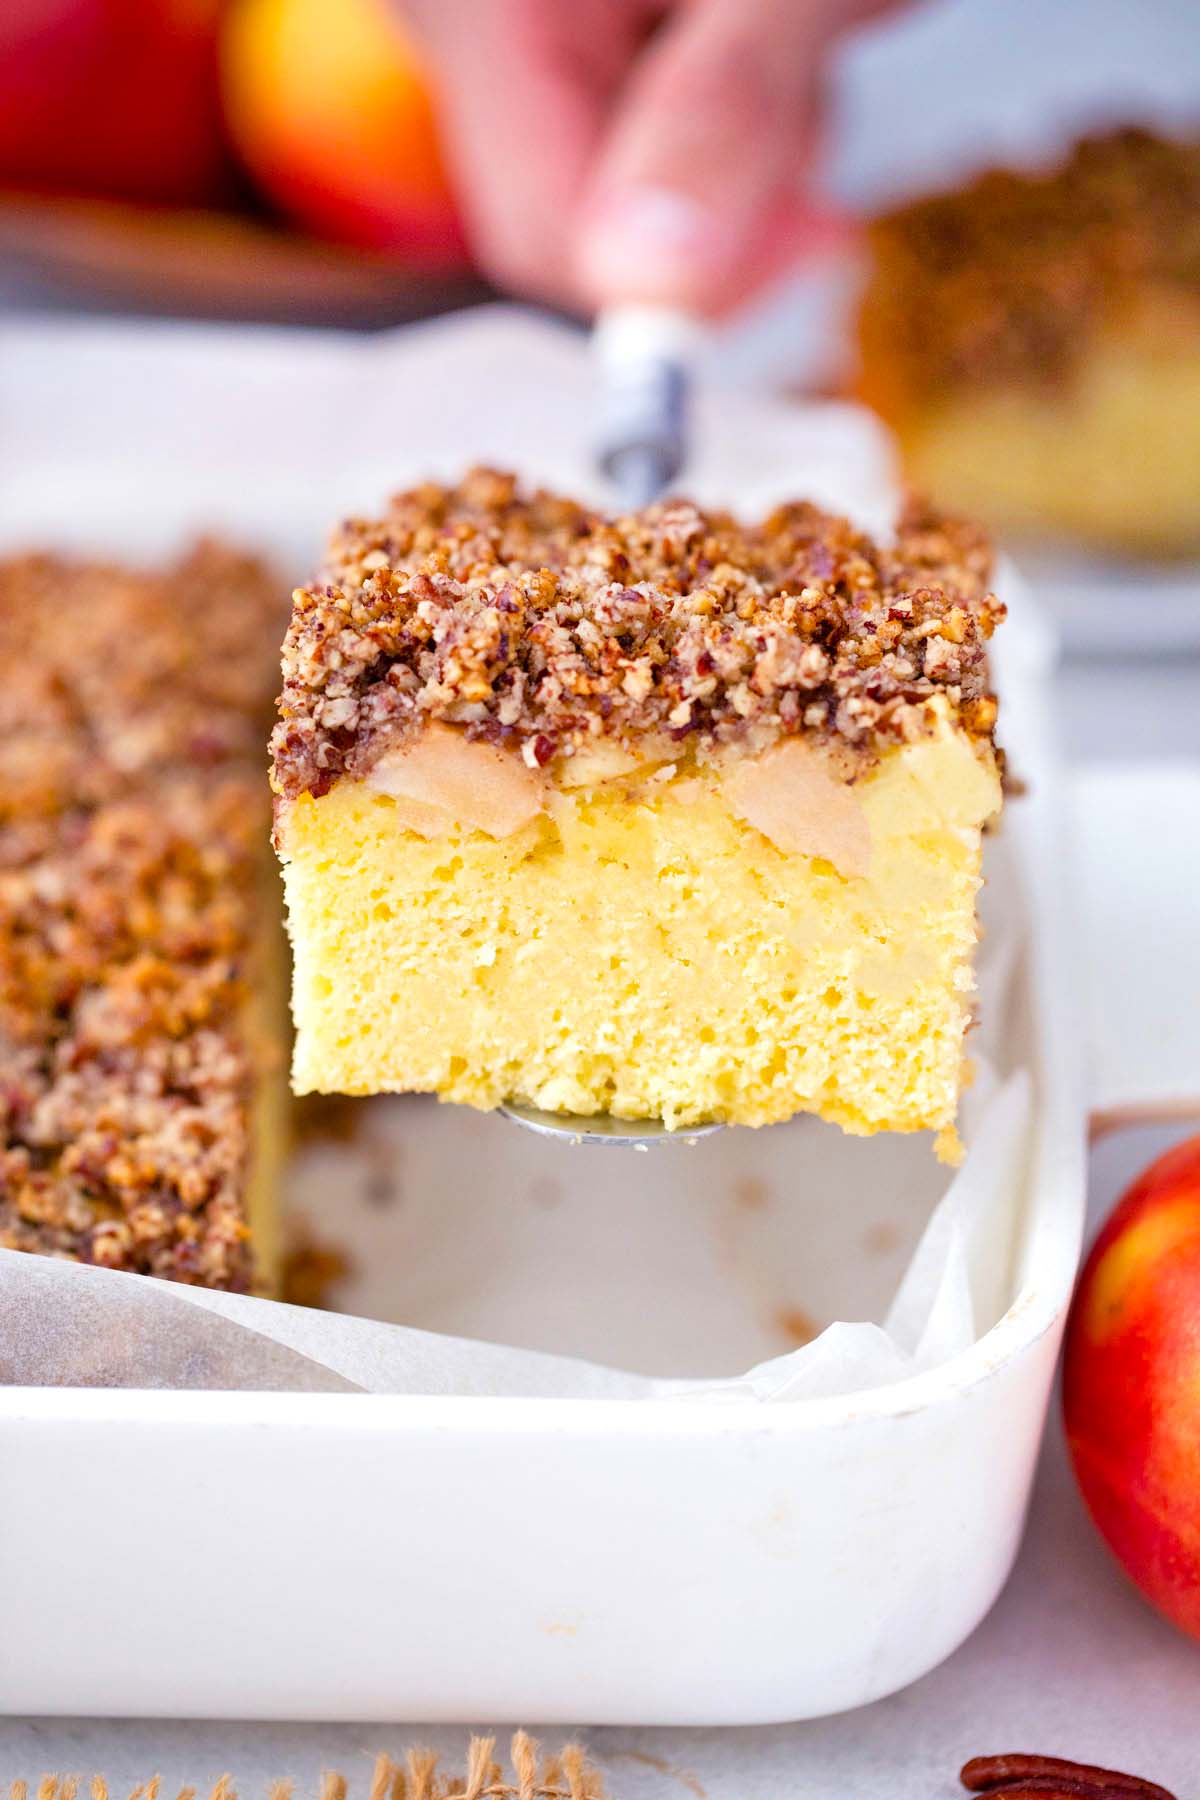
[
  {"x": 1115, "y": 462},
  {"x": 1034, "y": 340},
  {"x": 638, "y": 948},
  {"x": 137, "y": 1055}
]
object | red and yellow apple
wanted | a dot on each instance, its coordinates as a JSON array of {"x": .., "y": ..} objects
[
  {"x": 329, "y": 104},
  {"x": 118, "y": 98},
  {"x": 1131, "y": 1384}
]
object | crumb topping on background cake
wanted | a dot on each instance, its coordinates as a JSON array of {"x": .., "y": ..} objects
[
  {"x": 542, "y": 626},
  {"x": 1006, "y": 279},
  {"x": 132, "y": 821}
]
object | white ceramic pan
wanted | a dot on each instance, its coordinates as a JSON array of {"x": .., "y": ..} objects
[{"x": 345, "y": 1556}]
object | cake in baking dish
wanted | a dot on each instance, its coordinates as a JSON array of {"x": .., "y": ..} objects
[
  {"x": 1034, "y": 341},
  {"x": 142, "y": 1080},
  {"x": 661, "y": 817}
]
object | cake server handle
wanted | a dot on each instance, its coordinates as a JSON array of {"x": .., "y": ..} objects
[{"x": 645, "y": 356}]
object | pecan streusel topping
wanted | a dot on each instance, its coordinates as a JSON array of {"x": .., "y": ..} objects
[
  {"x": 542, "y": 626},
  {"x": 1006, "y": 279},
  {"x": 131, "y": 836}
]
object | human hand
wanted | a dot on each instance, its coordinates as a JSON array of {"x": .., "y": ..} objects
[{"x": 613, "y": 150}]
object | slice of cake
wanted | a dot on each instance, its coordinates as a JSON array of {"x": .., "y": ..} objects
[
  {"x": 140, "y": 1062},
  {"x": 1034, "y": 341},
  {"x": 665, "y": 817}
]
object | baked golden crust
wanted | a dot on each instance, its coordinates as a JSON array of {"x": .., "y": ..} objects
[
  {"x": 132, "y": 825},
  {"x": 1009, "y": 279},
  {"x": 541, "y": 626}
]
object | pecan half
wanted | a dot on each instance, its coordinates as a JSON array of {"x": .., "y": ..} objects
[{"x": 1008, "y": 1777}]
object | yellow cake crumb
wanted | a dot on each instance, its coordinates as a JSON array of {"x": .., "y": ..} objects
[
  {"x": 1116, "y": 462},
  {"x": 639, "y": 950}
]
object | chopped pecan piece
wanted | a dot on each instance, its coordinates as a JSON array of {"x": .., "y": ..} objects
[{"x": 1006, "y": 1777}]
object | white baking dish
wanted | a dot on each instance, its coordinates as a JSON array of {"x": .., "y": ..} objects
[{"x": 344, "y": 1556}]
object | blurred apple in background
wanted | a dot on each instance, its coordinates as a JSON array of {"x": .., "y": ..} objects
[
  {"x": 1131, "y": 1384},
  {"x": 329, "y": 107},
  {"x": 118, "y": 98}
]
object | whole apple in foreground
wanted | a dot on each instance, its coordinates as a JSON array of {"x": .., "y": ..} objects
[
  {"x": 329, "y": 106},
  {"x": 1131, "y": 1384}
]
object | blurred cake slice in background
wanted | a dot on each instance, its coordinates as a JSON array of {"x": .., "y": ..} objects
[
  {"x": 661, "y": 817},
  {"x": 1034, "y": 341},
  {"x": 141, "y": 1005}
]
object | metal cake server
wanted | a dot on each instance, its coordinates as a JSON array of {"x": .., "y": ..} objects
[
  {"x": 602, "y": 1128},
  {"x": 644, "y": 356}
]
